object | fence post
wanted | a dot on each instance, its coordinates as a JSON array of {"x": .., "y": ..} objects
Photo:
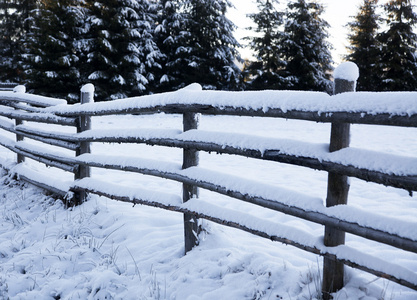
[
  {"x": 84, "y": 123},
  {"x": 19, "y": 89},
  {"x": 190, "y": 159},
  {"x": 345, "y": 77}
]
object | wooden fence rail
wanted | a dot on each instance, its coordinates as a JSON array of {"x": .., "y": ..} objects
[
  {"x": 335, "y": 109},
  {"x": 7, "y": 86}
]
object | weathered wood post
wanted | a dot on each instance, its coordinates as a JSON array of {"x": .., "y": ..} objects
[
  {"x": 19, "y": 89},
  {"x": 190, "y": 159},
  {"x": 345, "y": 77},
  {"x": 84, "y": 123}
]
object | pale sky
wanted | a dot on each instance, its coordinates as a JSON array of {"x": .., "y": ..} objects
[{"x": 337, "y": 14}]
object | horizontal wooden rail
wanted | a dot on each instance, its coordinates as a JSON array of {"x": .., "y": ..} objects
[
  {"x": 313, "y": 216},
  {"x": 38, "y": 117},
  {"x": 47, "y": 187},
  {"x": 66, "y": 137},
  {"x": 49, "y": 141},
  {"x": 49, "y": 160},
  {"x": 358, "y": 108},
  {"x": 7, "y": 125},
  {"x": 44, "y": 184},
  {"x": 70, "y": 141},
  {"x": 35, "y": 100},
  {"x": 328, "y": 252},
  {"x": 21, "y": 106},
  {"x": 7, "y": 87},
  {"x": 408, "y": 183},
  {"x": 316, "y": 116},
  {"x": 45, "y": 159},
  {"x": 46, "y": 140}
]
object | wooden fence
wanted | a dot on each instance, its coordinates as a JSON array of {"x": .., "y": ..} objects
[
  {"x": 20, "y": 107},
  {"x": 7, "y": 86}
]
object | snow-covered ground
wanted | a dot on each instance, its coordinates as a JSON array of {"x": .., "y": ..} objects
[{"x": 105, "y": 249}]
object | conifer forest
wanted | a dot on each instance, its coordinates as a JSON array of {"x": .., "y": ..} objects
[{"x": 130, "y": 48}]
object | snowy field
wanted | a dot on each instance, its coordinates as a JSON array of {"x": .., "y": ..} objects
[{"x": 105, "y": 249}]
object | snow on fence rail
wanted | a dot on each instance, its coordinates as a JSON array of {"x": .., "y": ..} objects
[
  {"x": 7, "y": 86},
  {"x": 397, "y": 109}
]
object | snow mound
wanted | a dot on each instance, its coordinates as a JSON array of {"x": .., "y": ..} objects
[
  {"x": 347, "y": 71},
  {"x": 192, "y": 87},
  {"x": 19, "y": 89},
  {"x": 87, "y": 88}
]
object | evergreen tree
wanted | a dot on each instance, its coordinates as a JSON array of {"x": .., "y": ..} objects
[
  {"x": 265, "y": 72},
  {"x": 305, "y": 48},
  {"x": 208, "y": 49},
  {"x": 52, "y": 59},
  {"x": 168, "y": 33},
  {"x": 364, "y": 46},
  {"x": 119, "y": 48},
  {"x": 8, "y": 34},
  {"x": 398, "y": 60},
  {"x": 150, "y": 53},
  {"x": 99, "y": 50},
  {"x": 14, "y": 27}
]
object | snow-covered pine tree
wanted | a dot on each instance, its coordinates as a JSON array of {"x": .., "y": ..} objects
[
  {"x": 168, "y": 32},
  {"x": 265, "y": 72},
  {"x": 398, "y": 59},
  {"x": 364, "y": 46},
  {"x": 99, "y": 63},
  {"x": 13, "y": 29},
  {"x": 51, "y": 58},
  {"x": 151, "y": 56},
  {"x": 208, "y": 48},
  {"x": 8, "y": 43},
  {"x": 305, "y": 47},
  {"x": 119, "y": 48}
]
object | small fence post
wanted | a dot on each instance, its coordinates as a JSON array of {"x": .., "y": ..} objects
[
  {"x": 190, "y": 159},
  {"x": 19, "y": 89},
  {"x": 338, "y": 185},
  {"x": 84, "y": 123}
]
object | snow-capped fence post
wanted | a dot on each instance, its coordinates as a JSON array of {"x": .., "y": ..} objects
[
  {"x": 84, "y": 123},
  {"x": 190, "y": 159},
  {"x": 19, "y": 89},
  {"x": 345, "y": 77}
]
